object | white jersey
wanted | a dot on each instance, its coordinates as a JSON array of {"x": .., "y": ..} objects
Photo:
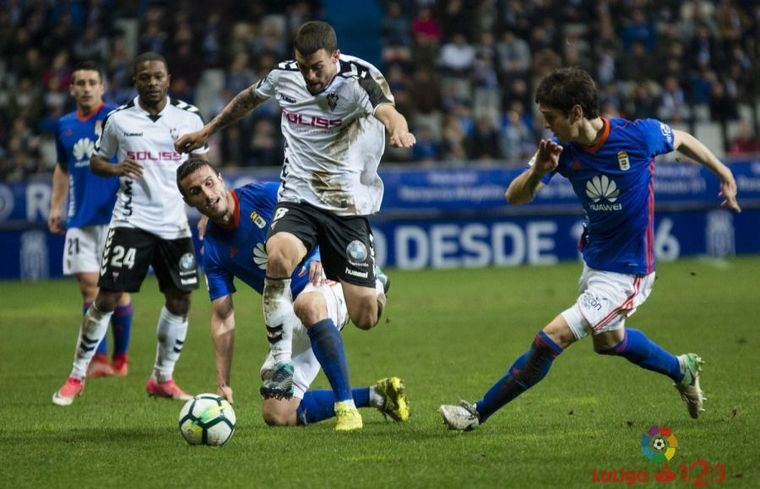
[
  {"x": 151, "y": 202},
  {"x": 333, "y": 144}
]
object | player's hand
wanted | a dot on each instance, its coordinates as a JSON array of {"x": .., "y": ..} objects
[
  {"x": 316, "y": 273},
  {"x": 129, "y": 168},
  {"x": 188, "y": 142},
  {"x": 402, "y": 139},
  {"x": 202, "y": 223},
  {"x": 547, "y": 156},
  {"x": 55, "y": 223},
  {"x": 728, "y": 192},
  {"x": 225, "y": 391}
]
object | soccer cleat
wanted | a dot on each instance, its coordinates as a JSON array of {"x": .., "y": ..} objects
[
  {"x": 347, "y": 417},
  {"x": 168, "y": 389},
  {"x": 395, "y": 404},
  {"x": 280, "y": 383},
  {"x": 689, "y": 388},
  {"x": 462, "y": 417},
  {"x": 120, "y": 366},
  {"x": 384, "y": 279},
  {"x": 71, "y": 389},
  {"x": 99, "y": 367}
]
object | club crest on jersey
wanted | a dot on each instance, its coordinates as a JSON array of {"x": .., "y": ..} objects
[
  {"x": 174, "y": 132},
  {"x": 258, "y": 220},
  {"x": 357, "y": 252},
  {"x": 623, "y": 161},
  {"x": 332, "y": 100},
  {"x": 187, "y": 262}
]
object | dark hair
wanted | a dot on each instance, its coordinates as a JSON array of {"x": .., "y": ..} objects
[
  {"x": 190, "y": 166},
  {"x": 145, "y": 57},
  {"x": 315, "y": 35},
  {"x": 88, "y": 66},
  {"x": 564, "y": 88}
]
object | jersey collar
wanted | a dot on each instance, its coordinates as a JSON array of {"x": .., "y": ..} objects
[
  {"x": 86, "y": 117},
  {"x": 603, "y": 139},
  {"x": 235, "y": 214}
]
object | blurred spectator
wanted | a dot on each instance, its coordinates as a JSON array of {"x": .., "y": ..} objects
[
  {"x": 483, "y": 142},
  {"x": 745, "y": 142},
  {"x": 426, "y": 148}
]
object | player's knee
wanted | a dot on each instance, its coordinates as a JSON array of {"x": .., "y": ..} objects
[
  {"x": 179, "y": 305},
  {"x": 365, "y": 319},
  {"x": 282, "y": 256},
  {"x": 107, "y": 301},
  {"x": 310, "y": 308}
]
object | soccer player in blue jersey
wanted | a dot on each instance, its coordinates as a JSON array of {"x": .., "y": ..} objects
[
  {"x": 235, "y": 247},
  {"x": 90, "y": 203},
  {"x": 610, "y": 163}
]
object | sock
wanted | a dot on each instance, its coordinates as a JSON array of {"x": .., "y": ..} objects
[
  {"x": 319, "y": 405},
  {"x": 327, "y": 345},
  {"x": 172, "y": 331},
  {"x": 526, "y": 372},
  {"x": 278, "y": 305},
  {"x": 92, "y": 330},
  {"x": 638, "y": 349},
  {"x": 102, "y": 349},
  {"x": 121, "y": 325}
]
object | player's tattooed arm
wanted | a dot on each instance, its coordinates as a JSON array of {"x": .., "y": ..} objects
[{"x": 243, "y": 103}]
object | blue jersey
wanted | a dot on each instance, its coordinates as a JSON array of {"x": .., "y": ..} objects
[
  {"x": 241, "y": 251},
  {"x": 91, "y": 198},
  {"x": 614, "y": 181}
]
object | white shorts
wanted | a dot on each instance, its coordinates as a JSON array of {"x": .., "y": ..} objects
[
  {"x": 305, "y": 364},
  {"x": 83, "y": 249},
  {"x": 605, "y": 300}
]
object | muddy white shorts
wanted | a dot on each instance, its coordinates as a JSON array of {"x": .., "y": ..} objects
[{"x": 605, "y": 300}]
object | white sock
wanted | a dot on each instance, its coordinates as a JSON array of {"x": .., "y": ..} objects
[
  {"x": 172, "y": 331},
  {"x": 347, "y": 402},
  {"x": 91, "y": 332},
  {"x": 375, "y": 399},
  {"x": 278, "y": 306}
]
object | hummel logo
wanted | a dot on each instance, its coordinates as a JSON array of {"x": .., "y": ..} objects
[
  {"x": 132, "y": 134},
  {"x": 284, "y": 97}
]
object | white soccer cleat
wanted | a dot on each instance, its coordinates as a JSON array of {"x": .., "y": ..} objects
[
  {"x": 689, "y": 388},
  {"x": 462, "y": 417}
]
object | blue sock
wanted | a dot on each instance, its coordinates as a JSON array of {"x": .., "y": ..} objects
[
  {"x": 121, "y": 324},
  {"x": 645, "y": 353},
  {"x": 526, "y": 372},
  {"x": 327, "y": 345},
  {"x": 319, "y": 405},
  {"x": 102, "y": 348}
]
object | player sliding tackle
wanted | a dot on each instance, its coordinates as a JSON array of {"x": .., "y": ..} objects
[
  {"x": 234, "y": 247},
  {"x": 334, "y": 112},
  {"x": 610, "y": 164}
]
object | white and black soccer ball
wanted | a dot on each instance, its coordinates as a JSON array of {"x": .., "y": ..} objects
[{"x": 207, "y": 419}]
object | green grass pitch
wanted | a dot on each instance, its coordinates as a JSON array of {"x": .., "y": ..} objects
[{"x": 450, "y": 334}]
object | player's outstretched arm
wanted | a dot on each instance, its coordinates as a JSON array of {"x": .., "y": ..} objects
[
  {"x": 396, "y": 124},
  {"x": 104, "y": 168},
  {"x": 523, "y": 189},
  {"x": 691, "y": 147},
  {"x": 60, "y": 187},
  {"x": 223, "y": 337},
  {"x": 243, "y": 103}
]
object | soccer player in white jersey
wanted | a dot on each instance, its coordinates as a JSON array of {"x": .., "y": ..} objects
[
  {"x": 610, "y": 164},
  {"x": 334, "y": 112},
  {"x": 90, "y": 205},
  {"x": 148, "y": 225}
]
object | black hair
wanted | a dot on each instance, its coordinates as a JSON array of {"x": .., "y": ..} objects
[
  {"x": 190, "y": 166},
  {"x": 145, "y": 57},
  {"x": 88, "y": 66},
  {"x": 564, "y": 88},
  {"x": 315, "y": 35}
]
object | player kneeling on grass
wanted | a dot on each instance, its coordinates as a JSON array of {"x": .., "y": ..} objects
[
  {"x": 610, "y": 163},
  {"x": 234, "y": 246}
]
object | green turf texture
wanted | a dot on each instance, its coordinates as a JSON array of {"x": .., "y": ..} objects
[{"x": 450, "y": 334}]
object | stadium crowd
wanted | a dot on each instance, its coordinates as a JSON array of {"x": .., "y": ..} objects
[{"x": 464, "y": 71}]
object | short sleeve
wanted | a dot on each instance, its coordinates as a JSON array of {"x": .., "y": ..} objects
[
  {"x": 218, "y": 279},
  {"x": 108, "y": 141},
  {"x": 657, "y": 136},
  {"x": 265, "y": 88}
]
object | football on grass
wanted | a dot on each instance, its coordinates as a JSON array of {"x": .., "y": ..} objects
[{"x": 207, "y": 419}]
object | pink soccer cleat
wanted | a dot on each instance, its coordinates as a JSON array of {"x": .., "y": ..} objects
[
  {"x": 168, "y": 389},
  {"x": 71, "y": 389},
  {"x": 120, "y": 366},
  {"x": 99, "y": 367}
]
